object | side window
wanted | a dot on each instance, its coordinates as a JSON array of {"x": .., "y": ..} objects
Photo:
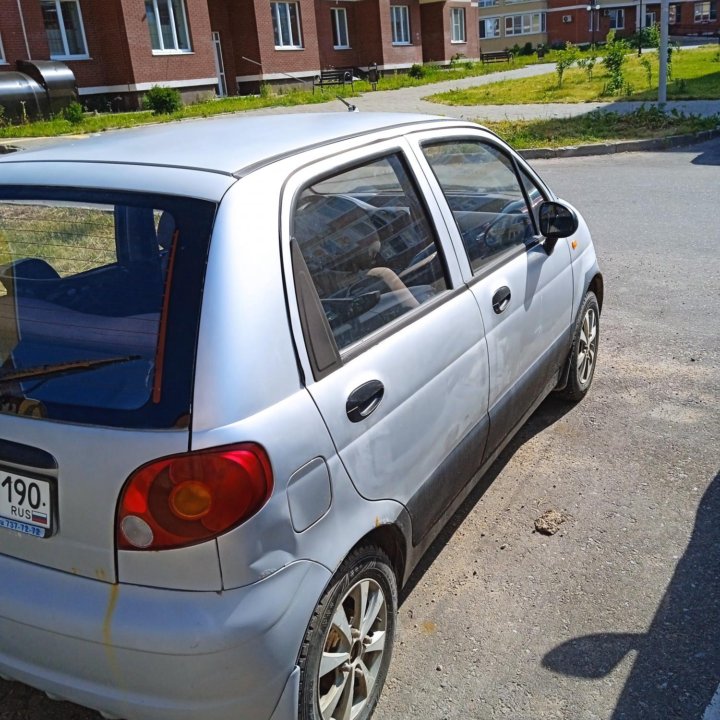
[
  {"x": 484, "y": 195},
  {"x": 368, "y": 246}
]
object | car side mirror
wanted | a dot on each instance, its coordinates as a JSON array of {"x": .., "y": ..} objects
[{"x": 556, "y": 221}]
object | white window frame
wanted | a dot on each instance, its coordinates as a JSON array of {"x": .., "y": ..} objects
[
  {"x": 177, "y": 50},
  {"x": 401, "y": 13},
  {"x": 340, "y": 25},
  {"x": 617, "y": 18},
  {"x": 703, "y": 16},
  {"x": 279, "y": 8},
  {"x": 458, "y": 35},
  {"x": 496, "y": 26},
  {"x": 530, "y": 24},
  {"x": 67, "y": 55},
  {"x": 673, "y": 13},
  {"x": 650, "y": 19},
  {"x": 3, "y": 61},
  {"x": 487, "y": 3}
]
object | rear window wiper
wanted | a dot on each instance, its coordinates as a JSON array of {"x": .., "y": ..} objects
[{"x": 63, "y": 368}]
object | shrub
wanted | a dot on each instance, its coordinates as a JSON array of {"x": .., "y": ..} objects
[
  {"x": 615, "y": 55},
  {"x": 74, "y": 113},
  {"x": 648, "y": 67},
  {"x": 162, "y": 100},
  {"x": 417, "y": 71},
  {"x": 587, "y": 63},
  {"x": 565, "y": 58},
  {"x": 3, "y": 118}
]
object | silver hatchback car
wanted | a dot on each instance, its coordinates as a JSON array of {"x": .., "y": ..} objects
[{"x": 249, "y": 369}]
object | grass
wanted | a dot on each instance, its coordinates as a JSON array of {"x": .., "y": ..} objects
[
  {"x": 695, "y": 76},
  {"x": 287, "y": 98},
  {"x": 71, "y": 239},
  {"x": 599, "y": 126}
]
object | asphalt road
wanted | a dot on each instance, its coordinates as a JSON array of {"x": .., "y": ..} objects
[{"x": 617, "y": 616}]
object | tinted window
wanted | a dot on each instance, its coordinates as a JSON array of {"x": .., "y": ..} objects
[
  {"x": 369, "y": 247},
  {"x": 485, "y": 196},
  {"x": 99, "y": 302}
]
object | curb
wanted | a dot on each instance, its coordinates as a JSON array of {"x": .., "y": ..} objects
[{"x": 665, "y": 143}]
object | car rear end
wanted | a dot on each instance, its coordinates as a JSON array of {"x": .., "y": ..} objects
[{"x": 113, "y": 594}]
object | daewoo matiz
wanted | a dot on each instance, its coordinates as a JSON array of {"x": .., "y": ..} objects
[{"x": 249, "y": 368}]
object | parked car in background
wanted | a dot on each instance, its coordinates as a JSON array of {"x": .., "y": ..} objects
[{"x": 249, "y": 369}]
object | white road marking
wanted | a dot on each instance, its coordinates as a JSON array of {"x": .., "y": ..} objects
[{"x": 712, "y": 711}]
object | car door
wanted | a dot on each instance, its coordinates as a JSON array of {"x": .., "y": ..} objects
[
  {"x": 524, "y": 293},
  {"x": 389, "y": 337}
]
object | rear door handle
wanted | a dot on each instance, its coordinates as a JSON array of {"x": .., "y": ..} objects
[
  {"x": 364, "y": 400},
  {"x": 501, "y": 299}
]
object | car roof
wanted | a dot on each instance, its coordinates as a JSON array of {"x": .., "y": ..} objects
[{"x": 227, "y": 145}]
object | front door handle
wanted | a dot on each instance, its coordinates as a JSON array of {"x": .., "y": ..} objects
[
  {"x": 501, "y": 299},
  {"x": 364, "y": 400}
]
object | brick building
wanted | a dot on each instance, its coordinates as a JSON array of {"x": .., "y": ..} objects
[{"x": 118, "y": 49}]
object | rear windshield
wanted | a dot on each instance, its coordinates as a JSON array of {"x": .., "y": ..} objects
[{"x": 99, "y": 305}]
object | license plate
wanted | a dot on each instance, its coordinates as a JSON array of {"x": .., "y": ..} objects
[{"x": 25, "y": 504}]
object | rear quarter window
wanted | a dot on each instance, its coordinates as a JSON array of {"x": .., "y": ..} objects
[{"x": 99, "y": 304}]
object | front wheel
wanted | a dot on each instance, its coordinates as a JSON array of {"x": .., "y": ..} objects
[
  {"x": 583, "y": 356},
  {"x": 347, "y": 647}
]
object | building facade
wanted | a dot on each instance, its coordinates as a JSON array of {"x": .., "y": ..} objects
[{"x": 118, "y": 49}]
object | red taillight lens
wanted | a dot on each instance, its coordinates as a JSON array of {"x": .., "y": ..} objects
[{"x": 186, "y": 499}]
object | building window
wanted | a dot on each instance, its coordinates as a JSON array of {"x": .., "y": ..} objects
[
  {"x": 487, "y": 3},
  {"x": 617, "y": 18},
  {"x": 674, "y": 14},
  {"x": 457, "y": 25},
  {"x": 705, "y": 12},
  {"x": 490, "y": 27},
  {"x": 286, "y": 24},
  {"x": 400, "y": 24},
  {"x": 529, "y": 24},
  {"x": 2, "y": 53},
  {"x": 339, "y": 28},
  {"x": 168, "y": 25},
  {"x": 650, "y": 19},
  {"x": 64, "y": 28}
]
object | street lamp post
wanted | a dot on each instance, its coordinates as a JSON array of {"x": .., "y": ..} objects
[
  {"x": 592, "y": 9},
  {"x": 640, "y": 24}
]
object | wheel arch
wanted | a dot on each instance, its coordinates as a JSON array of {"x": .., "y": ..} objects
[
  {"x": 597, "y": 285},
  {"x": 391, "y": 540}
]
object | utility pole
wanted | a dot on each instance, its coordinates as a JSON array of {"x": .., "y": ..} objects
[{"x": 663, "y": 50}]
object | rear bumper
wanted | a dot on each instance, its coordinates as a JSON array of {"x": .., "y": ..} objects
[{"x": 149, "y": 654}]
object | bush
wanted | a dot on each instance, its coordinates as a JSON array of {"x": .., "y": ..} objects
[
  {"x": 417, "y": 72},
  {"x": 615, "y": 55},
  {"x": 162, "y": 100},
  {"x": 565, "y": 58},
  {"x": 74, "y": 113}
]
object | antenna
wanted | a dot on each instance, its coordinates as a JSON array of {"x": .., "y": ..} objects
[{"x": 350, "y": 106}]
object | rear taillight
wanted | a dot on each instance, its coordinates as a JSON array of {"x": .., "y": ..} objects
[{"x": 186, "y": 499}]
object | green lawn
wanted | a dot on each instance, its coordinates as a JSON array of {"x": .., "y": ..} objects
[
  {"x": 695, "y": 76},
  {"x": 599, "y": 126}
]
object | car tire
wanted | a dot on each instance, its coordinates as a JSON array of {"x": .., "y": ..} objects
[
  {"x": 347, "y": 648},
  {"x": 583, "y": 355}
]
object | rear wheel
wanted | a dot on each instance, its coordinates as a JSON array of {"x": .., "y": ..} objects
[
  {"x": 347, "y": 647},
  {"x": 583, "y": 356}
]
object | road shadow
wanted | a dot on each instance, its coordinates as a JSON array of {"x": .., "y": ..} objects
[
  {"x": 708, "y": 153},
  {"x": 550, "y": 411},
  {"x": 677, "y": 669}
]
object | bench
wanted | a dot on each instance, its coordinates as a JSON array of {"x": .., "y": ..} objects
[
  {"x": 496, "y": 56},
  {"x": 333, "y": 77}
]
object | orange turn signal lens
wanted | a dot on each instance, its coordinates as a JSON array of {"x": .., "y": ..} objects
[{"x": 190, "y": 500}]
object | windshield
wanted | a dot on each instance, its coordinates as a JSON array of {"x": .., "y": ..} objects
[{"x": 99, "y": 305}]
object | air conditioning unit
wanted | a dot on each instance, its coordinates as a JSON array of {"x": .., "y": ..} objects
[{"x": 567, "y": 18}]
